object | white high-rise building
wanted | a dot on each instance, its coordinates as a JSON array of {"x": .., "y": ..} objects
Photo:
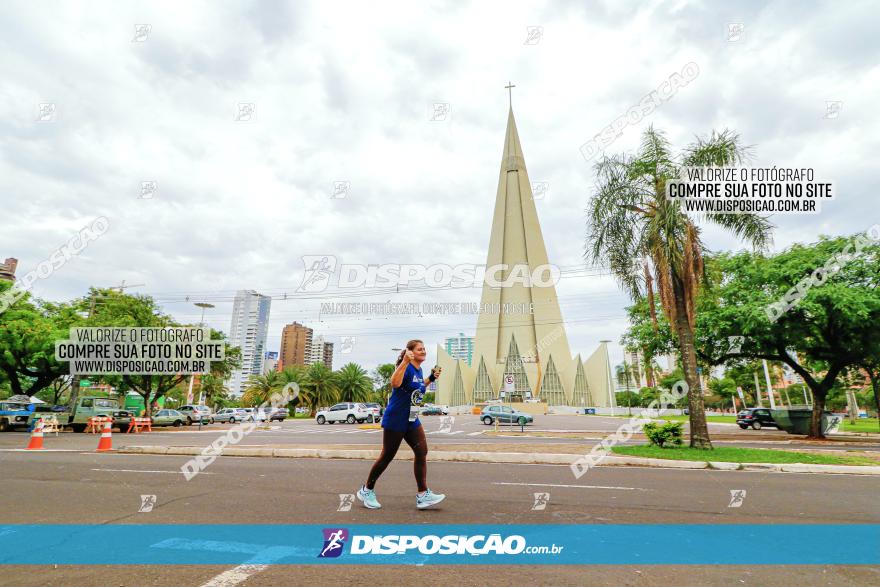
[
  {"x": 461, "y": 347},
  {"x": 250, "y": 323}
]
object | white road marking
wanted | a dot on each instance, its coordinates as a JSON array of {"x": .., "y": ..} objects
[
  {"x": 145, "y": 471},
  {"x": 475, "y": 433},
  {"x": 41, "y": 450},
  {"x": 456, "y": 432},
  {"x": 235, "y": 575},
  {"x": 575, "y": 486}
]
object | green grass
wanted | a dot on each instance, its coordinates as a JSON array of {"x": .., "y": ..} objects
[
  {"x": 861, "y": 425},
  {"x": 729, "y": 454}
]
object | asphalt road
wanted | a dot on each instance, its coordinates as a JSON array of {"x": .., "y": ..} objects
[
  {"x": 101, "y": 488},
  {"x": 464, "y": 429}
]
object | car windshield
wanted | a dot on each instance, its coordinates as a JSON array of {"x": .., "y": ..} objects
[{"x": 106, "y": 403}]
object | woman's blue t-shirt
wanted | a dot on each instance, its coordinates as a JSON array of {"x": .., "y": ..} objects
[{"x": 397, "y": 413}]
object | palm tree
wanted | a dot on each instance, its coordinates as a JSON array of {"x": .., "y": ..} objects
[
  {"x": 354, "y": 384},
  {"x": 322, "y": 386},
  {"x": 297, "y": 374},
  {"x": 259, "y": 388},
  {"x": 630, "y": 218},
  {"x": 215, "y": 390}
]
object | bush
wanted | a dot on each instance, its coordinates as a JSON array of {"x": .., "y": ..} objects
[{"x": 664, "y": 434}]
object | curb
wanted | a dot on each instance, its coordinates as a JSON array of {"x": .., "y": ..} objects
[{"x": 503, "y": 457}]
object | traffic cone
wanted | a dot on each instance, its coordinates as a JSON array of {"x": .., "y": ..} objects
[
  {"x": 36, "y": 442},
  {"x": 106, "y": 442}
]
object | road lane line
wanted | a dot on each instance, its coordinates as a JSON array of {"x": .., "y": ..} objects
[
  {"x": 146, "y": 471},
  {"x": 235, "y": 576},
  {"x": 575, "y": 486},
  {"x": 475, "y": 433}
]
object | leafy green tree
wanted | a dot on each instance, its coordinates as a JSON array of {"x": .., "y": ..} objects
[
  {"x": 645, "y": 237},
  {"x": 382, "y": 380},
  {"x": 828, "y": 329},
  {"x": 28, "y": 331},
  {"x": 353, "y": 383}
]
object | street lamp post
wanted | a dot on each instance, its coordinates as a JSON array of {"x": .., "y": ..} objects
[{"x": 192, "y": 377}]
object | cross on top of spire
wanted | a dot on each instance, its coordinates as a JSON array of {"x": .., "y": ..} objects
[{"x": 509, "y": 88}]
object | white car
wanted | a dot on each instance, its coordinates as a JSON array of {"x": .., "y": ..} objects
[{"x": 344, "y": 412}]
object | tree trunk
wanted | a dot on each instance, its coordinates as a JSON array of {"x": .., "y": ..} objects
[
  {"x": 875, "y": 384},
  {"x": 699, "y": 428},
  {"x": 819, "y": 395}
]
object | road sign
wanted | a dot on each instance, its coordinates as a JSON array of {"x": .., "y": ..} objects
[
  {"x": 509, "y": 383},
  {"x": 85, "y": 383}
]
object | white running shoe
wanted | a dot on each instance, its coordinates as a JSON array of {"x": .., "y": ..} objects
[
  {"x": 428, "y": 499},
  {"x": 368, "y": 496}
]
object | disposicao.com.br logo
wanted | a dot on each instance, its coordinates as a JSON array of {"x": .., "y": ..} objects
[
  {"x": 476, "y": 545},
  {"x": 321, "y": 271}
]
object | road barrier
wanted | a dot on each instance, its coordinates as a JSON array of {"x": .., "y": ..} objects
[
  {"x": 106, "y": 442},
  {"x": 139, "y": 424},
  {"x": 50, "y": 424},
  {"x": 96, "y": 423}
]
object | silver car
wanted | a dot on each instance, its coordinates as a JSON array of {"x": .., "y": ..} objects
[
  {"x": 195, "y": 412},
  {"x": 233, "y": 415}
]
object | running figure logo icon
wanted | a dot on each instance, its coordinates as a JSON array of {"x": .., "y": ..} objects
[
  {"x": 318, "y": 269},
  {"x": 334, "y": 542}
]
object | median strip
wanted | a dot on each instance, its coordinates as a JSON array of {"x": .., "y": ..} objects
[{"x": 499, "y": 457}]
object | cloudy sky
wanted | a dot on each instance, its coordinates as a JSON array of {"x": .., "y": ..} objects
[{"x": 92, "y": 107}]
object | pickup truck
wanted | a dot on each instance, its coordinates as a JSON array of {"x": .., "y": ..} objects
[
  {"x": 14, "y": 415},
  {"x": 90, "y": 406}
]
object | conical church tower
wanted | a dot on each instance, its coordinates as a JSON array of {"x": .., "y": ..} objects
[{"x": 520, "y": 331}]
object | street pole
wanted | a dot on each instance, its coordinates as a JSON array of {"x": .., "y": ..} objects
[
  {"x": 806, "y": 401},
  {"x": 769, "y": 386},
  {"x": 757, "y": 391},
  {"x": 192, "y": 376}
]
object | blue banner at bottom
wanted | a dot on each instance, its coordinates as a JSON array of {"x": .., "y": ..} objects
[{"x": 521, "y": 544}]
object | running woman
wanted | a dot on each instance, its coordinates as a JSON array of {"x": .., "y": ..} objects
[{"x": 401, "y": 422}]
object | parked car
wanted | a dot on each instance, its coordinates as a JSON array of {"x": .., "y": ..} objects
[
  {"x": 757, "y": 418},
  {"x": 344, "y": 412},
  {"x": 169, "y": 418},
  {"x": 233, "y": 415},
  {"x": 431, "y": 411},
  {"x": 375, "y": 411},
  {"x": 437, "y": 410},
  {"x": 279, "y": 414},
  {"x": 194, "y": 412},
  {"x": 504, "y": 414},
  {"x": 380, "y": 407}
]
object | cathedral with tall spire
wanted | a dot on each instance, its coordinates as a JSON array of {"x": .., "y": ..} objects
[{"x": 526, "y": 348}]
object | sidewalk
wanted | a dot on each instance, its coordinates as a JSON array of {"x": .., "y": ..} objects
[{"x": 560, "y": 454}]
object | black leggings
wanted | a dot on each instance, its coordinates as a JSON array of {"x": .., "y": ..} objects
[{"x": 415, "y": 438}]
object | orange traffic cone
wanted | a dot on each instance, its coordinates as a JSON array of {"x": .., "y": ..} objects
[
  {"x": 36, "y": 442},
  {"x": 106, "y": 442}
]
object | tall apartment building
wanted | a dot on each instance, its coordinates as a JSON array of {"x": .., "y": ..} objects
[
  {"x": 296, "y": 345},
  {"x": 250, "y": 324},
  {"x": 270, "y": 362},
  {"x": 7, "y": 269},
  {"x": 637, "y": 364},
  {"x": 461, "y": 347},
  {"x": 321, "y": 352}
]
